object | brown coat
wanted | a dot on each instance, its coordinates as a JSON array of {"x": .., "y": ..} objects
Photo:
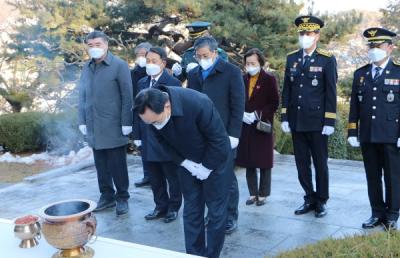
[{"x": 256, "y": 148}]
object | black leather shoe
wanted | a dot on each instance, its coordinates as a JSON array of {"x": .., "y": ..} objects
[
  {"x": 103, "y": 204},
  {"x": 230, "y": 227},
  {"x": 251, "y": 200},
  {"x": 143, "y": 182},
  {"x": 122, "y": 207},
  {"x": 372, "y": 222},
  {"x": 171, "y": 216},
  {"x": 390, "y": 225},
  {"x": 305, "y": 208},
  {"x": 320, "y": 210},
  {"x": 260, "y": 202},
  {"x": 156, "y": 214}
]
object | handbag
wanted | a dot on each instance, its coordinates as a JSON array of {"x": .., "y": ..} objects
[{"x": 262, "y": 126}]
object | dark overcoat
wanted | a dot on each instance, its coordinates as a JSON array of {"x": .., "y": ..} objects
[
  {"x": 256, "y": 148},
  {"x": 224, "y": 86}
]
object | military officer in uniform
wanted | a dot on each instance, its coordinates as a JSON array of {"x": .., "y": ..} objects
[
  {"x": 196, "y": 29},
  {"x": 374, "y": 123},
  {"x": 309, "y": 111}
]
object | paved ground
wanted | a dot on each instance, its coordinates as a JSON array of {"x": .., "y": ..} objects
[{"x": 265, "y": 230}]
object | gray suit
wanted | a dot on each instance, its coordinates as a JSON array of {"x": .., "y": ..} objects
[
  {"x": 105, "y": 105},
  {"x": 105, "y": 102}
]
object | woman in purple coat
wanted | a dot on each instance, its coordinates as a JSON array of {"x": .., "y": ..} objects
[{"x": 255, "y": 149}]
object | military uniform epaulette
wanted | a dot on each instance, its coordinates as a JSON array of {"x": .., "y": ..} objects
[
  {"x": 294, "y": 51},
  {"x": 324, "y": 52},
  {"x": 396, "y": 63},
  {"x": 362, "y": 67}
]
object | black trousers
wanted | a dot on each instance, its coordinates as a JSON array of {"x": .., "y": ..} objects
[
  {"x": 233, "y": 204},
  {"x": 264, "y": 189},
  {"x": 378, "y": 158},
  {"x": 111, "y": 168},
  {"x": 167, "y": 197},
  {"x": 315, "y": 145},
  {"x": 145, "y": 169},
  {"x": 212, "y": 192}
]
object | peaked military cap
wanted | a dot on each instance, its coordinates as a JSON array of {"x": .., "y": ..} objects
[
  {"x": 308, "y": 23},
  {"x": 376, "y": 36},
  {"x": 197, "y": 28}
]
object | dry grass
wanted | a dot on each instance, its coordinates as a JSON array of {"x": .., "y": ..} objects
[
  {"x": 381, "y": 244},
  {"x": 16, "y": 172}
]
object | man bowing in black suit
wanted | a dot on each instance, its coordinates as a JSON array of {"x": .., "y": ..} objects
[{"x": 189, "y": 127}]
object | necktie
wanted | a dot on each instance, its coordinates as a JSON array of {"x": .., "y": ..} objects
[
  {"x": 306, "y": 60},
  {"x": 153, "y": 82},
  {"x": 377, "y": 73}
]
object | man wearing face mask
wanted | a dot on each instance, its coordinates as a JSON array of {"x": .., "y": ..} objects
[
  {"x": 156, "y": 159},
  {"x": 309, "y": 111},
  {"x": 196, "y": 29},
  {"x": 138, "y": 73},
  {"x": 223, "y": 83},
  {"x": 189, "y": 127},
  {"x": 105, "y": 117},
  {"x": 374, "y": 124}
]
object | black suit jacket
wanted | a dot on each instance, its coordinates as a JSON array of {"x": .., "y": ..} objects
[
  {"x": 195, "y": 130},
  {"x": 151, "y": 149}
]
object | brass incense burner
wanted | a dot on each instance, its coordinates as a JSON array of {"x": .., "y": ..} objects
[{"x": 68, "y": 226}]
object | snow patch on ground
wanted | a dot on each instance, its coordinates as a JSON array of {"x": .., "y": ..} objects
[{"x": 85, "y": 153}]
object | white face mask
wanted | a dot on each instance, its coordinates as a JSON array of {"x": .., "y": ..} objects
[
  {"x": 160, "y": 125},
  {"x": 305, "y": 42},
  {"x": 376, "y": 54},
  {"x": 206, "y": 63},
  {"x": 253, "y": 70},
  {"x": 141, "y": 61},
  {"x": 96, "y": 52},
  {"x": 152, "y": 69}
]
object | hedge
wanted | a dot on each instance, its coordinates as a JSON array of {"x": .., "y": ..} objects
[{"x": 35, "y": 131}]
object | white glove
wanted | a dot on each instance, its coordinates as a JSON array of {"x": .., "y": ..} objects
[
  {"x": 177, "y": 69},
  {"x": 83, "y": 129},
  {"x": 203, "y": 172},
  {"x": 126, "y": 130},
  {"x": 190, "y": 166},
  {"x": 398, "y": 143},
  {"x": 355, "y": 143},
  {"x": 252, "y": 116},
  {"x": 234, "y": 142},
  {"x": 249, "y": 118},
  {"x": 190, "y": 66},
  {"x": 138, "y": 143},
  {"x": 285, "y": 127},
  {"x": 328, "y": 130},
  {"x": 246, "y": 119}
]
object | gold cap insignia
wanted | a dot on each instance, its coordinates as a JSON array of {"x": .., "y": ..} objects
[
  {"x": 372, "y": 32},
  {"x": 305, "y": 19}
]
